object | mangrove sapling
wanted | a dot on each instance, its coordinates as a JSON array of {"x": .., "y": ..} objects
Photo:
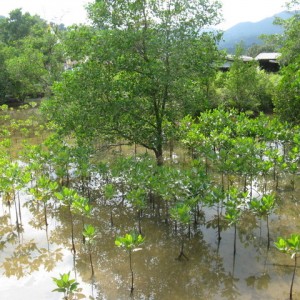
[
  {"x": 263, "y": 208},
  {"x": 61, "y": 159},
  {"x": 110, "y": 192},
  {"x": 7, "y": 195},
  {"x": 233, "y": 204},
  {"x": 83, "y": 167},
  {"x": 264, "y": 167},
  {"x": 290, "y": 246},
  {"x": 43, "y": 191},
  {"x": 294, "y": 159},
  {"x": 66, "y": 285},
  {"x": 194, "y": 186},
  {"x": 154, "y": 196},
  {"x": 223, "y": 157},
  {"x": 246, "y": 160},
  {"x": 232, "y": 215},
  {"x": 81, "y": 205},
  {"x": 138, "y": 199},
  {"x": 67, "y": 197},
  {"x": 103, "y": 170},
  {"x": 130, "y": 242},
  {"x": 89, "y": 233},
  {"x": 181, "y": 213},
  {"x": 214, "y": 199},
  {"x": 14, "y": 178},
  {"x": 121, "y": 170},
  {"x": 199, "y": 143},
  {"x": 277, "y": 159},
  {"x": 37, "y": 160},
  {"x": 168, "y": 186}
]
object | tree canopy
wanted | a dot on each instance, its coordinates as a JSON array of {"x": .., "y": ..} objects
[
  {"x": 287, "y": 99},
  {"x": 143, "y": 65},
  {"x": 31, "y": 56}
]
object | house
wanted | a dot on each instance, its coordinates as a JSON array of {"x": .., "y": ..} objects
[
  {"x": 230, "y": 59},
  {"x": 268, "y": 61}
]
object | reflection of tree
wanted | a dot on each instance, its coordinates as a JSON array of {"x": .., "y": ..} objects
[
  {"x": 27, "y": 257},
  {"x": 8, "y": 232},
  {"x": 217, "y": 222},
  {"x": 259, "y": 282},
  {"x": 61, "y": 234},
  {"x": 37, "y": 220},
  {"x": 230, "y": 290},
  {"x": 247, "y": 225}
]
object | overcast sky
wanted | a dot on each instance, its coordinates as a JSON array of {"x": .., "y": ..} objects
[{"x": 72, "y": 11}]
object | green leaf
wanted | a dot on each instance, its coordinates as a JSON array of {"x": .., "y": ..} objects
[{"x": 61, "y": 290}]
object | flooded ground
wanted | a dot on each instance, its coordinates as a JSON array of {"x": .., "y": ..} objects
[{"x": 32, "y": 255}]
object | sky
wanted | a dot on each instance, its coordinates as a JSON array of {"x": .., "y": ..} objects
[{"x": 72, "y": 11}]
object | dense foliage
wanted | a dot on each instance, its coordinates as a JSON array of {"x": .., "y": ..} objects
[
  {"x": 31, "y": 58},
  {"x": 144, "y": 65},
  {"x": 244, "y": 86},
  {"x": 287, "y": 100}
]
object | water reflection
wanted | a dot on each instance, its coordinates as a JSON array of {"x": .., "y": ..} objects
[
  {"x": 259, "y": 281},
  {"x": 212, "y": 271},
  {"x": 28, "y": 258}
]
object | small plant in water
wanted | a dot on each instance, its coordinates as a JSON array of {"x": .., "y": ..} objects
[
  {"x": 181, "y": 213},
  {"x": 263, "y": 208},
  {"x": 89, "y": 233},
  {"x": 67, "y": 197},
  {"x": 290, "y": 246},
  {"x": 233, "y": 205},
  {"x": 130, "y": 242},
  {"x": 66, "y": 285},
  {"x": 138, "y": 199}
]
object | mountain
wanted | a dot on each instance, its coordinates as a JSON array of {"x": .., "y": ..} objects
[{"x": 249, "y": 32}]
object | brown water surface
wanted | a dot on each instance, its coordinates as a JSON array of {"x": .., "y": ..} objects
[
  {"x": 29, "y": 259},
  {"x": 31, "y": 254}
]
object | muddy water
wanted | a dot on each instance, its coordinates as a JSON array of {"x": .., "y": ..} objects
[{"x": 31, "y": 257}]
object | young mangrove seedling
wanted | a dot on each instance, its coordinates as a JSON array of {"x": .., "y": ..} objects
[
  {"x": 67, "y": 197},
  {"x": 181, "y": 213},
  {"x": 65, "y": 285},
  {"x": 82, "y": 206},
  {"x": 110, "y": 192},
  {"x": 89, "y": 233},
  {"x": 263, "y": 208},
  {"x": 233, "y": 204},
  {"x": 130, "y": 242},
  {"x": 290, "y": 246},
  {"x": 137, "y": 198}
]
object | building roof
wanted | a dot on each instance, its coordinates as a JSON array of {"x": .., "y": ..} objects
[
  {"x": 267, "y": 56},
  {"x": 244, "y": 58}
]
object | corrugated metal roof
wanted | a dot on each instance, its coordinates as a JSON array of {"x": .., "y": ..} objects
[
  {"x": 267, "y": 56},
  {"x": 231, "y": 57}
]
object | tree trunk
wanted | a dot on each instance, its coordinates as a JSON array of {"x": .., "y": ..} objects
[
  {"x": 130, "y": 265},
  {"x": 294, "y": 272},
  {"x": 159, "y": 156}
]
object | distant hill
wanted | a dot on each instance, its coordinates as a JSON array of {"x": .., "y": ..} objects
[{"x": 249, "y": 32}]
